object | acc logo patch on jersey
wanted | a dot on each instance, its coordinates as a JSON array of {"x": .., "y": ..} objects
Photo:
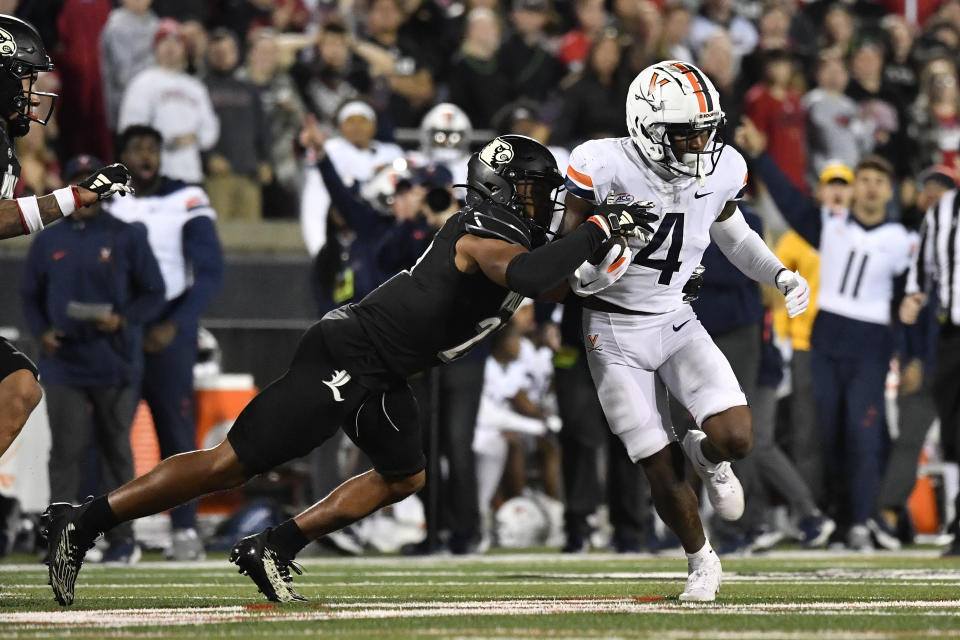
[
  {"x": 8, "y": 46},
  {"x": 619, "y": 198},
  {"x": 496, "y": 152}
]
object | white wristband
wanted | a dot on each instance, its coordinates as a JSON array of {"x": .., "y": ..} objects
[
  {"x": 30, "y": 213},
  {"x": 66, "y": 200}
]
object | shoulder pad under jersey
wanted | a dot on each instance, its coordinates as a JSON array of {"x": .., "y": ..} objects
[{"x": 488, "y": 220}]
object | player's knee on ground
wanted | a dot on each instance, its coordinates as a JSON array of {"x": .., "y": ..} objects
[
  {"x": 401, "y": 487},
  {"x": 731, "y": 431},
  {"x": 20, "y": 393}
]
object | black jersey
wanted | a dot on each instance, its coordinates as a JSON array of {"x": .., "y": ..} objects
[
  {"x": 9, "y": 166},
  {"x": 430, "y": 314}
]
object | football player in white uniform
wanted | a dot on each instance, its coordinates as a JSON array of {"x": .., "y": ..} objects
[
  {"x": 641, "y": 340},
  {"x": 445, "y": 134}
]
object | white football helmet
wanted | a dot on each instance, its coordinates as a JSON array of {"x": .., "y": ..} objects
[
  {"x": 674, "y": 99},
  {"x": 521, "y": 523},
  {"x": 381, "y": 189},
  {"x": 445, "y": 133}
]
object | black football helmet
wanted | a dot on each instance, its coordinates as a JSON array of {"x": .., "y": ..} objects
[
  {"x": 22, "y": 57},
  {"x": 519, "y": 174}
]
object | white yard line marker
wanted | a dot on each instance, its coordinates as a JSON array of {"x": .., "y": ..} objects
[{"x": 185, "y": 616}]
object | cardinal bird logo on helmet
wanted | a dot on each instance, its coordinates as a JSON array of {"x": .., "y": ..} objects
[
  {"x": 8, "y": 46},
  {"x": 496, "y": 152}
]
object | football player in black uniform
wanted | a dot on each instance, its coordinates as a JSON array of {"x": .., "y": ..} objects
[
  {"x": 350, "y": 369},
  {"x": 22, "y": 58}
]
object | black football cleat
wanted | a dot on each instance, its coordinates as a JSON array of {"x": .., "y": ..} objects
[
  {"x": 267, "y": 566},
  {"x": 66, "y": 547}
]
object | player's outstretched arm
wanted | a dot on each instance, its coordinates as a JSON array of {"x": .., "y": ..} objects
[
  {"x": 749, "y": 253},
  {"x": 534, "y": 273},
  {"x": 30, "y": 214}
]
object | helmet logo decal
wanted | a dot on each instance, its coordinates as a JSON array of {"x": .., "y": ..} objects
[
  {"x": 496, "y": 152},
  {"x": 8, "y": 46}
]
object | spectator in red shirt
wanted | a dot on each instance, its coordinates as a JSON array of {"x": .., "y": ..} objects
[
  {"x": 83, "y": 126},
  {"x": 775, "y": 109},
  {"x": 575, "y": 44}
]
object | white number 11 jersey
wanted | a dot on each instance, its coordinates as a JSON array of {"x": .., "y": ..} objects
[{"x": 654, "y": 281}]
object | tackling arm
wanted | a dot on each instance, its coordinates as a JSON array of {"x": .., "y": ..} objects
[{"x": 530, "y": 273}]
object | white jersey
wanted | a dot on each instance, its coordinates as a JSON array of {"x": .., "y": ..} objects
[
  {"x": 175, "y": 104},
  {"x": 360, "y": 165},
  {"x": 537, "y": 366},
  {"x": 858, "y": 265},
  {"x": 654, "y": 281},
  {"x": 164, "y": 214}
]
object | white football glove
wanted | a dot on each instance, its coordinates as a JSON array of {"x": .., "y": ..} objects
[
  {"x": 796, "y": 291},
  {"x": 589, "y": 279}
]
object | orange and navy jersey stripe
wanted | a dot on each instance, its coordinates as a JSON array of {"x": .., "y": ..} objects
[{"x": 580, "y": 184}]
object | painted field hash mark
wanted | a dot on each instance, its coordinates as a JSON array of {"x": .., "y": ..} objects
[{"x": 189, "y": 616}]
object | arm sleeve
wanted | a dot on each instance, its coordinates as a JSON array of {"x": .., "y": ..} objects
[
  {"x": 201, "y": 247},
  {"x": 314, "y": 209},
  {"x": 33, "y": 290},
  {"x": 361, "y": 217},
  {"x": 533, "y": 274},
  {"x": 146, "y": 280},
  {"x": 208, "y": 127},
  {"x": 720, "y": 271},
  {"x": 800, "y": 210},
  {"x": 746, "y": 249},
  {"x": 921, "y": 266}
]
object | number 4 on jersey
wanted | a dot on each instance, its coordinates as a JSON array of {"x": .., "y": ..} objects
[{"x": 671, "y": 264}]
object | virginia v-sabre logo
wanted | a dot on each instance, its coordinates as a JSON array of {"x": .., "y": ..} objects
[
  {"x": 339, "y": 379},
  {"x": 594, "y": 339}
]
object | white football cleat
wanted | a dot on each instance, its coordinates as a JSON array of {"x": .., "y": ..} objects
[
  {"x": 723, "y": 487},
  {"x": 704, "y": 582}
]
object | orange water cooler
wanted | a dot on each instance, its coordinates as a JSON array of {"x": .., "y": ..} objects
[{"x": 219, "y": 400}]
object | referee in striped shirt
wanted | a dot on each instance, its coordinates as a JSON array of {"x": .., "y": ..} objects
[{"x": 933, "y": 275}]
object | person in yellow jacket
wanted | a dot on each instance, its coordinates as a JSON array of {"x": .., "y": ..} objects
[{"x": 834, "y": 191}]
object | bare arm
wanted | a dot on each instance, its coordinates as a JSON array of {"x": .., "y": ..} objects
[
  {"x": 577, "y": 212},
  {"x": 523, "y": 405},
  {"x": 12, "y": 222},
  {"x": 488, "y": 255},
  {"x": 417, "y": 87},
  {"x": 728, "y": 210}
]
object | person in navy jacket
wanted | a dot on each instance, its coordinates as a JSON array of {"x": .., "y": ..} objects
[
  {"x": 91, "y": 363},
  {"x": 181, "y": 231}
]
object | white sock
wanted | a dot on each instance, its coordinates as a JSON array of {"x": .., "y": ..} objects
[
  {"x": 698, "y": 458},
  {"x": 696, "y": 559}
]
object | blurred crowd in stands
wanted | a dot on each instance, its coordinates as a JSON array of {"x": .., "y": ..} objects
[{"x": 398, "y": 92}]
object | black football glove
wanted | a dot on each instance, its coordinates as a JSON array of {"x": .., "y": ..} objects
[
  {"x": 108, "y": 180},
  {"x": 634, "y": 220},
  {"x": 691, "y": 290}
]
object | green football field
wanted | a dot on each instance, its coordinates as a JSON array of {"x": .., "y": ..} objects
[{"x": 795, "y": 595}]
